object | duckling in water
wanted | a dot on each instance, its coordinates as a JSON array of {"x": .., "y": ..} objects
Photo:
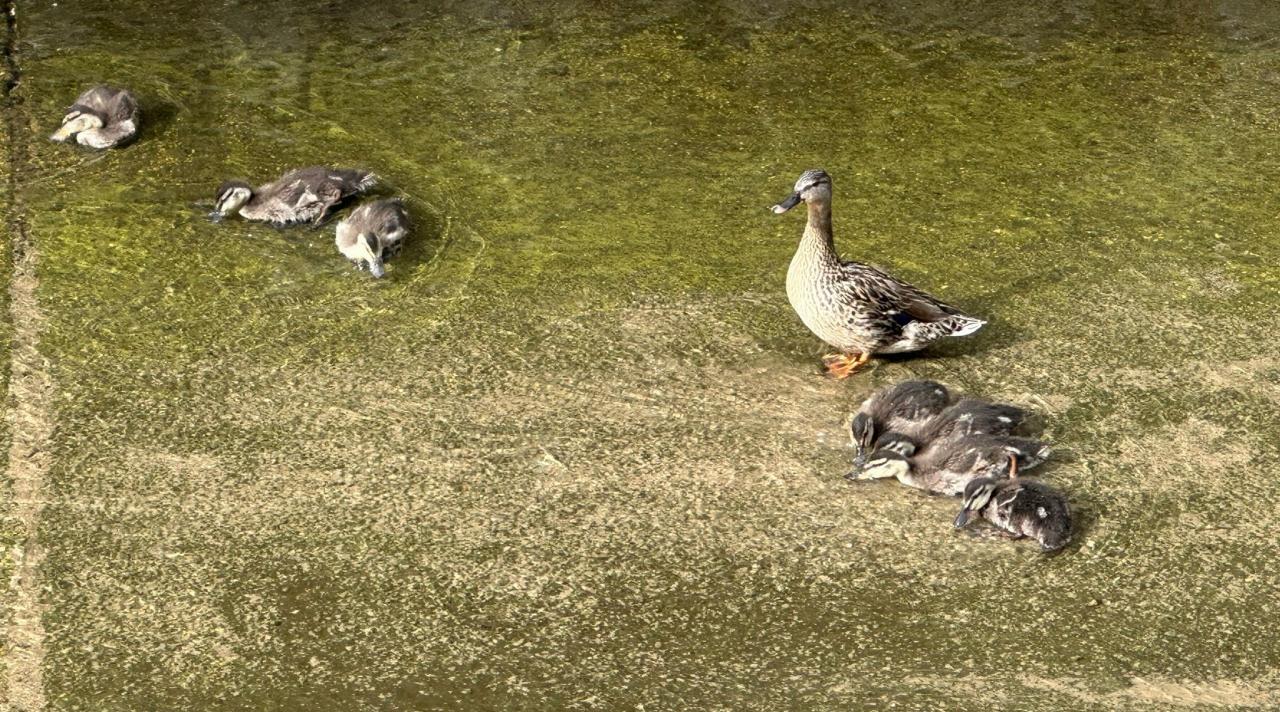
[
  {"x": 1021, "y": 508},
  {"x": 948, "y": 465},
  {"x": 102, "y": 117},
  {"x": 856, "y": 308},
  {"x": 372, "y": 233},
  {"x": 304, "y": 195},
  {"x": 904, "y": 407}
]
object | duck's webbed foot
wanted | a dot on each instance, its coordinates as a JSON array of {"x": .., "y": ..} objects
[{"x": 841, "y": 366}]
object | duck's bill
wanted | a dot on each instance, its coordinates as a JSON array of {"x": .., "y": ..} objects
[
  {"x": 376, "y": 269},
  {"x": 961, "y": 519},
  {"x": 63, "y": 134},
  {"x": 216, "y": 216},
  {"x": 787, "y": 204}
]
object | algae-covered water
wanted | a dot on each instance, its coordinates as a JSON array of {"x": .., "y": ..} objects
[{"x": 574, "y": 451}]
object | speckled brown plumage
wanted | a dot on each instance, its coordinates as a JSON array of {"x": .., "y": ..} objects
[{"x": 855, "y": 307}]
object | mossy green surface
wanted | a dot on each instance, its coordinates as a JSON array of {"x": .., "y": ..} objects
[{"x": 573, "y": 452}]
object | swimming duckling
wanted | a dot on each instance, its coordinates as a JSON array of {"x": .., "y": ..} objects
[
  {"x": 856, "y": 308},
  {"x": 303, "y": 195},
  {"x": 1021, "y": 508},
  {"x": 946, "y": 466},
  {"x": 907, "y": 405},
  {"x": 102, "y": 117},
  {"x": 372, "y": 233}
]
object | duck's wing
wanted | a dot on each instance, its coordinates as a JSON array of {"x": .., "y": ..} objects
[
  {"x": 905, "y": 316},
  {"x": 889, "y": 295},
  {"x": 299, "y": 195}
]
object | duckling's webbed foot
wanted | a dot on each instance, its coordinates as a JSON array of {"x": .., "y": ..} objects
[{"x": 841, "y": 366}]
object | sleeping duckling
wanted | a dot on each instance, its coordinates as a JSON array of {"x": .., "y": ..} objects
[
  {"x": 102, "y": 117},
  {"x": 1021, "y": 508},
  {"x": 905, "y": 406},
  {"x": 918, "y": 410},
  {"x": 971, "y": 416},
  {"x": 372, "y": 233},
  {"x": 854, "y": 307},
  {"x": 946, "y": 466},
  {"x": 303, "y": 195}
]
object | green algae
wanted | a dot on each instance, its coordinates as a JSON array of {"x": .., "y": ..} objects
[{"x": 572, "y": 452}]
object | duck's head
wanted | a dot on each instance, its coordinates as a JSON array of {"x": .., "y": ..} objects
[
  {"x": 894, "y": 441},
  {"x": 976, "y": 496},
  {"x": 78, "y": 119},
  {"x": 231, "y": 196},
  {"x": 813, "y": 186},
  {"x": 883, "y": 464},
  {"x": 861, "y": 431},
  {"x": 371, "y": 250}
]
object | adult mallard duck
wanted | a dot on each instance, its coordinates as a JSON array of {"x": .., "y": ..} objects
[
  {"x": 102, "y": 117},
  {"x": 1021, "y": 508},
  {"x": 372, "y": 233},
  {"x": 854, "y": 307},
  {"x": 303, "y": 195}
]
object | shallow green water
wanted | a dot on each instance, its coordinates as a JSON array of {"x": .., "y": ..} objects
[{"x": 573, "y": 452}]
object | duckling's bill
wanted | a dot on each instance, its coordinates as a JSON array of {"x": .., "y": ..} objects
[{"x": 372, "y": 254}]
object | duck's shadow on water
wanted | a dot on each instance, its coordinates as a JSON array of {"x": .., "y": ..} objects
[
  {"x": 425, "y": 241},
  {"x": 1002, "y": 329},
  {"x": 155, "y": 118}
]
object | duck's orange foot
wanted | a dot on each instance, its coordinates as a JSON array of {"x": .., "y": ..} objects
[{"x": 841, "y": 366}]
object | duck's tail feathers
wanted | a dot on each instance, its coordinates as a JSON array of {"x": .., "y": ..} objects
[
  {"x": 1029, "y": 451},
  {"x": 367, "y": 181},
  {"x": 919, "y": 333}
]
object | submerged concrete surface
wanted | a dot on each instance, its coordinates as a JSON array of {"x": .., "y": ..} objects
[{"x": 574, "y": 451}]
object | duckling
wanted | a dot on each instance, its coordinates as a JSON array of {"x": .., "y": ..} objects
[
  {"x": 1021, "y": 508},
  {"x": 102, "y": 117},
  {"x": 970, "y": 416},
  {"x": 303, "y": 195},
  {"x": 907, "y": 405},
  {"x": 946, "y": 466},
  {"x": 856, "y": 308},
  {"x": 372, "y": 233}
]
